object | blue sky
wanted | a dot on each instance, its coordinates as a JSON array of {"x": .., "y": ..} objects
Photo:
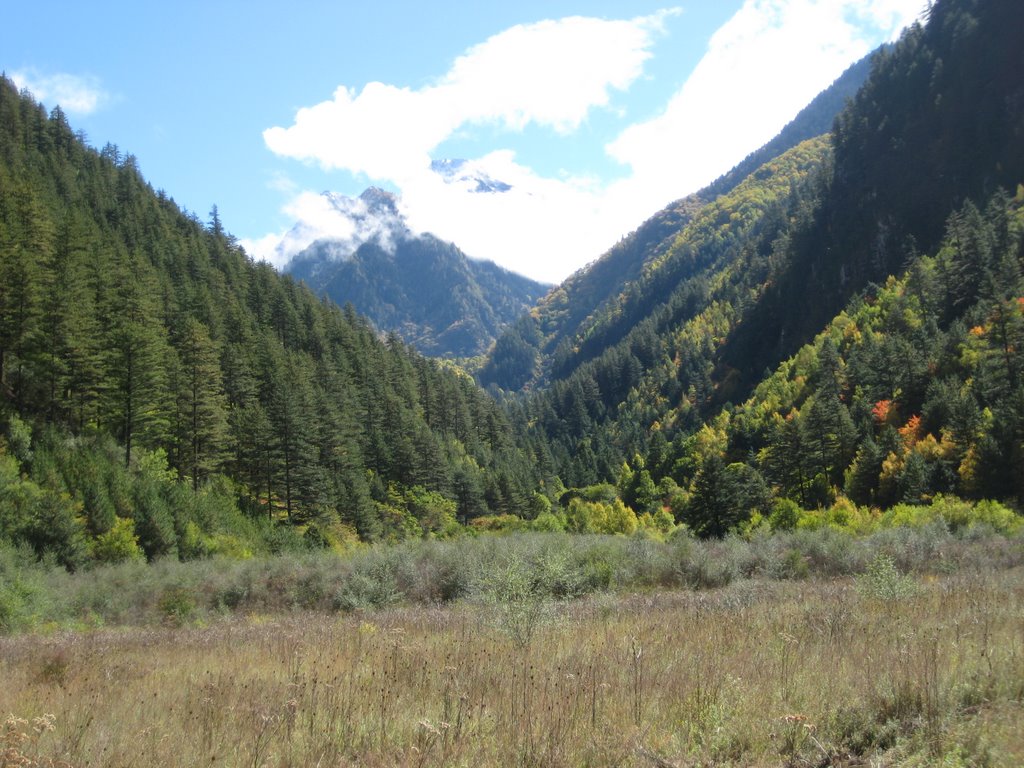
[{"x": 597, "y": 113}]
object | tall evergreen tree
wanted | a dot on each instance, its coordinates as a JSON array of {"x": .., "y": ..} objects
[
  {"x": 138, "y": 401},
  {"x": 202, "y": 433},
  {"x": 829, "y": 432}
]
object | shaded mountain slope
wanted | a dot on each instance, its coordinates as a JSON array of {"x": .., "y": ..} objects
[
  {"x": 914, "y": 390},
  {"x": 650, "y": 359},
  {"x": 422, "y": 288},
  {"x": 938, "y": 122},
  {"x": 530, "y": 351}
]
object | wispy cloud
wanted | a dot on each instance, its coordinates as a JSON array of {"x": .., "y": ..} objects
[
  {"x": 76, "y": 94},
  {"x": 282, "y": 182},
  {"x": 758, "y": 71}
]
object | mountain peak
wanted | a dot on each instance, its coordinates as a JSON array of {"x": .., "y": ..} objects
[
  {"x": 380, "y": 201},
  {"x": 342, "y": 224}
]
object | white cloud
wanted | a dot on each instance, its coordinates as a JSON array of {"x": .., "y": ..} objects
[
  {"x": 315, "y": 218},
  {"x": 525, "y": 229},
  {"x": 317, "y": 213},
  {"x": 347, "y": 222},
  {"x": 76, "y": 94},
  {"x": 551, "y": 73},
  {"x": 267, "y": 248},
  {"x": 758, "y": 71},
  {"x": 520, "y": 76},
  {"x": 384, "y": 132},
  {"x": 892, "y": 15}
]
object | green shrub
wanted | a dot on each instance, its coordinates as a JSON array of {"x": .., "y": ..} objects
[
  {"x": 884, "y": 581},
  {"x": 431, "y": 571},
  {"x": 784, "y": 515},
  {"x": 516, "y": 601},
  {"x": 827, "y": 551},
  {"x": 707, "y": 566},
  {"x": 997, "y": 517},
  {"x": 118, "y": 544},
  {"x": 54, "y": 528},
  {"x": 371, "y": 584},
  {"x": 177, "y": 605},
  {"x": 957, "y": 514},
  {"x": 645, "y": 562},
  {"x": 22, "y": 593},
  {"x": 555, "y": 571},
  {"x": 547, "y": 522},
  {"x": 19, "y": 439},
  {"x": 794, "y": 566},
  {"x": 499, "y": 523},
  {"x": 597, "y": 564},
  {"x": 600, "y": 517}
]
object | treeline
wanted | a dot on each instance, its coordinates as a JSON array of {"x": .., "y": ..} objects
[{"x": 124, "y": 318}]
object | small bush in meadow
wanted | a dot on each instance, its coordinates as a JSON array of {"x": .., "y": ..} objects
[
  {"x": 884, "y": 581},
  {"x": 371, "y": 584},
  {"x": 516, "y": 599},
  {"x": 708, "y": 566},
  {"x": 177, "y": 605}
]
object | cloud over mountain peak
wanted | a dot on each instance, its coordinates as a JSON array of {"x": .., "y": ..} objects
[{"x": 340, "y": 224}]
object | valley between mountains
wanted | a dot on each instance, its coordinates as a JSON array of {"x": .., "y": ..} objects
[{"x": 747, "y": 489}]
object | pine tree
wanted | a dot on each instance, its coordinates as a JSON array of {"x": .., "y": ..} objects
[
  {"x": 970, "y": 266},
  {"x": 862, "y": 476},
  {"x": 26, "y": 241},
  {"x": 708, "y": 512},
  {"x": 254, "y": 462},
  {"x": 829, "y": 432},
  {"x": 137, "y": 400},
  {"x": 291, "y": 414},
  {"x": 785, "y": 457},
  {"x": 202, "y": 432}
]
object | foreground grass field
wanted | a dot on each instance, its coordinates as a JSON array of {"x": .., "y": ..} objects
[{"x": 876, "y": 670}]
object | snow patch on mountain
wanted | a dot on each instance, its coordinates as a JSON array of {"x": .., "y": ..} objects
[{"x": 468, "y": 175}]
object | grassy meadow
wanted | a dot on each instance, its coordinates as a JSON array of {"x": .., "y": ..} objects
[{"x": 906, "y": 649}]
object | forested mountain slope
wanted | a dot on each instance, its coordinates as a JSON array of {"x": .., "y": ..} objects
[
  {"x": 424, "y": 289},
  {"x": 651, "y": 353},
  {"x": 534, "y": 350},
  {"x": 939, "y": 122},
  {"x": 915, "y": 389},
  {"x": 153, "y": 378}
]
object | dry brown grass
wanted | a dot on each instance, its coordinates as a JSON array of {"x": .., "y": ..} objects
[{"x": 759, "y": 673}]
